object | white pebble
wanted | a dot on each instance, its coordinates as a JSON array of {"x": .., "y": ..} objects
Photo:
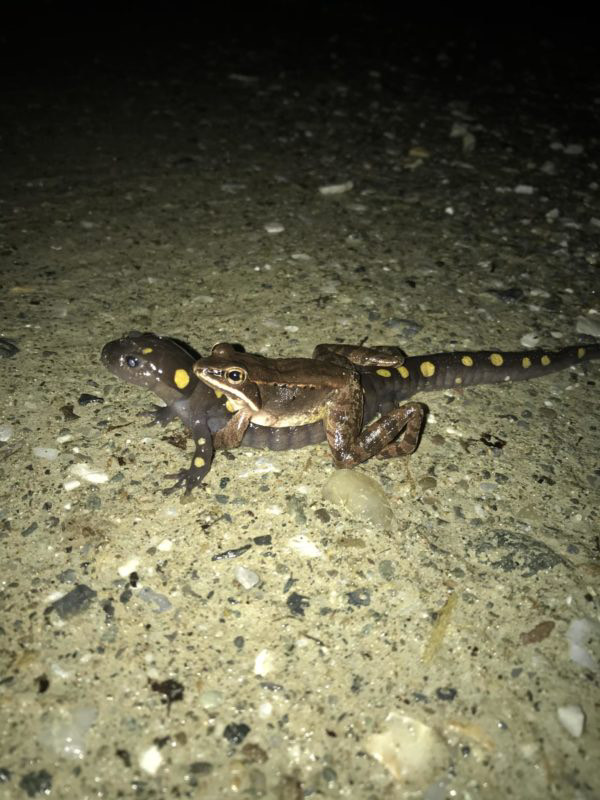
[
  {"x": 245, "y": 577},
  {"x": 303, "y": 546},
  {"x": 128, "y": 567},
  {"x": 572, "y": 719},
  {"x": 523, "y": 188},
  {"x": 150, "y": 760},
  {"x": 210, "y": 698},
  {"x": 165, "y": 546},
  {"x": 529, "y": 340},
  {"x": 6, "y": 432},
  {"x": 264, "y": 663},
  {"x": 265, "y": 710},
  {"x": 580, "y": 634},
  {"x": 71, "y": 484},
  {"x": 87, "y": 473},
  {"x": 274, "y": 227},
  {"x": 47, "y": 453},
  {"x": 336, "y": 188}
]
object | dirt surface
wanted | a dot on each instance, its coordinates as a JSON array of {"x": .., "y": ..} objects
[{"x": 165, "y": 174}]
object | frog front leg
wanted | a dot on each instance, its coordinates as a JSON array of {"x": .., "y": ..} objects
[
  {"x": 350, "y": 446},
  {"x": 232, "y": 434},
  {"x": 378, "y": 356}
]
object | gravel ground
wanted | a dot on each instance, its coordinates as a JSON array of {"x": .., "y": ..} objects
[{"x": 167, "y": 174}]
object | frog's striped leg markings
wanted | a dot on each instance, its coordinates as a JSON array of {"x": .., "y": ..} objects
[
  {"x": 410, "y": 418},
  {"x": 349, "y": 445}
]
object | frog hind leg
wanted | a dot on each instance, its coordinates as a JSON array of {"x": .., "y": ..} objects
[{"x": 350, "y": 445}]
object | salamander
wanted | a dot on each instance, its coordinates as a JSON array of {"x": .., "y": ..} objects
[{"x": 165, "y": 366}]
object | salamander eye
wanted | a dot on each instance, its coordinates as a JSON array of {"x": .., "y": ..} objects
[
  {"x": 132, "y": 361},
  {"x": 235, "y": 375}
]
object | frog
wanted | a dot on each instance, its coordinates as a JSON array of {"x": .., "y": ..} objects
[{"x": 289, "y": 392}]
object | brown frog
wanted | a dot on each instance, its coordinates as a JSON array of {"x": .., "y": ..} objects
[{"x": 284, "y": 392}]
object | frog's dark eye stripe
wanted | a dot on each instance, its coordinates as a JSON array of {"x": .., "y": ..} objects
[
  {"x": 132, "y": 361},
  {"x": 235, "y": 375}
]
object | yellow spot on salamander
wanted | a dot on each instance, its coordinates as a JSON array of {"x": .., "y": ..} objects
[
  {"x": 181, "y": 378},
  {"x": 229, "y": 406},
  {"x": 147, "y": 350},
  {"x": 403, "y": 372},
  {"x": 458, "y": 380},
  {"x": 218, "y": 393},
  {"x": 545, "y": 360},
  {"x": 427, "y": 369},
  {"x": 580, "y": 352},
  {"x": 199, "y": 461},
  {"x": 201, "y": 441},
  {"x": 496, "y": 359},
  {"x": 466, "y": 361},
  {"x": 526, "y": 362},
  {"x": 385, "y": 373}
]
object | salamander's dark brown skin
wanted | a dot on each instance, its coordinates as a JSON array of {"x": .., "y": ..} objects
[
  {"x": 285, "y": 392},
  {"x": 164, "y": 366}
]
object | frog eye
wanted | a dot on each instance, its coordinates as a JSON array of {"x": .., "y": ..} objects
[
  {"x": 132, "y": 361},
  {"x": 235, "y": 375}
]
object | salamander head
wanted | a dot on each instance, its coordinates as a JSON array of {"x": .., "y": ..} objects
[{"x": 151, "y": 361}]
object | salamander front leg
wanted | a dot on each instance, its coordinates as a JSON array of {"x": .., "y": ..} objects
[{"x": 194, "y": 475}]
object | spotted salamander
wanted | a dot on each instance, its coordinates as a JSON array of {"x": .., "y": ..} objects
[{"x": 164, "y": 366}]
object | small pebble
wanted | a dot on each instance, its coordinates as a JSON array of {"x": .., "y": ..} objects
[
  {"x": 87, "y": 473},
  {"x": 245, "y": 577},
  {"x": 580, "y": 635},
  {"x": 264, "y": 663},
  {"x": 304, "y": 546},
  {"x": 47, "y": 453},
  {"x": 160, "y": 602},
  {"x": 336, "y": 188},
  {"x": 530, "y": 340},
  {"x": 274, "y": 227},
  {"x": 523, "y": 188},
  {"x": 6, "y": 432},
  {"x": 572, "y": 719},
  {"x": 150, "y": 760},
  {"x": 210, "y": 698},
  {"x": 74, "y": 602}
]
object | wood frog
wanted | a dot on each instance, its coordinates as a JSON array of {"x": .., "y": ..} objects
[{"x": 282, "y": 392}]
